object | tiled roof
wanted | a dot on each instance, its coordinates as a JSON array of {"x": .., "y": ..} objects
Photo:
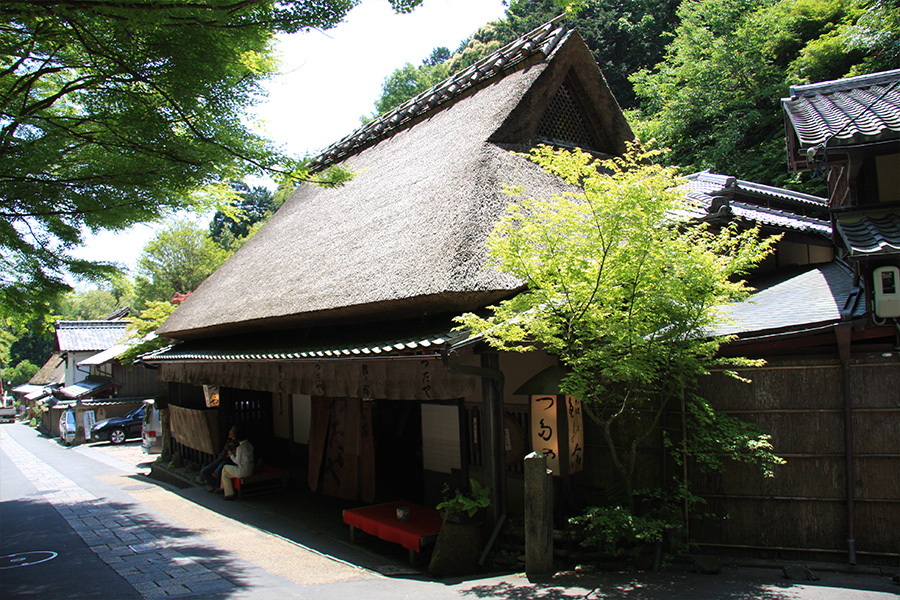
[
  {"x": 85, "y": 388},
  {"x": 846, "y": 111},
  {"x": 815, "y": 297},
  {"x": 86, "y": 336},
  {"x": 539, "y": 42},
  {"x": 767, "y": 205},
  {"x": 870, "y": 231}
]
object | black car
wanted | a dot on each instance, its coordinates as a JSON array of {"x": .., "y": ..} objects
[{"x": 119, "y": 429}]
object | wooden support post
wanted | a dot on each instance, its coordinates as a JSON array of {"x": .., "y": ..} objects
[
  {"x": 492, "y": 434},
  {"x": 538, "y": 515}
]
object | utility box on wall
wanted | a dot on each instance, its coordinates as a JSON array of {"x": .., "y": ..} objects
[{"x": 886, "y": 292}]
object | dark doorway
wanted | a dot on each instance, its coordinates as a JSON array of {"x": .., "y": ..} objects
[
  {"x": 399, "y": 471},
  {"x": 253, "y": 411}
]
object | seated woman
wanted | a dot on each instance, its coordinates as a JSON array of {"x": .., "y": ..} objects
[
  {"x": 243, "y": 463},
  {"x": 212, "y": 473}
]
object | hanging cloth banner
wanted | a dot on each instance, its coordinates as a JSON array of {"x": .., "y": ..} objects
[{"x": 341, "y": 448}]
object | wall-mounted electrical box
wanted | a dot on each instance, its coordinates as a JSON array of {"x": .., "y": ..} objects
[{"x": 887, "y": 292}]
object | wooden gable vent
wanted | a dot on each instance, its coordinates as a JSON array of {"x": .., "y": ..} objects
[{"x": 563, "y": 123}]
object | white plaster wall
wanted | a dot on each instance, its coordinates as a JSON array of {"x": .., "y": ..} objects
[
  {"x": 440, "y": 437},
  {"x": 302, "y": 414}
]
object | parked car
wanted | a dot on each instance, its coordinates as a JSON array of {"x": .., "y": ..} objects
[
  {"x": 152, "y": 437},
  {"x": 67, "y": 427},
  {"x": 119, "y": 429}
]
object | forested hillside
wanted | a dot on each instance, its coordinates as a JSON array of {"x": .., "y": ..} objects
[{"x": 702, "y": 77}]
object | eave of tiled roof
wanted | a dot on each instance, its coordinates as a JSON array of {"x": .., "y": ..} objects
[
  {"x": 86, "y": 388},
  {"x": 715, "y": 195},
  {"x": 848, "y": 111},
  {"x": 870, "y": 231},
  {"x": 538, "y": 43},
  {"x": 820, "y": 296}
]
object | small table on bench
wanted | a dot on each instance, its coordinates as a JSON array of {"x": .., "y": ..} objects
[
  {"x": 264, "y": 478},
  {"x": 380, "y": 520}
]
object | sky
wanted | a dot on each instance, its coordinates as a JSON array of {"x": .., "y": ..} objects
[{"x": 329, "y": 79}]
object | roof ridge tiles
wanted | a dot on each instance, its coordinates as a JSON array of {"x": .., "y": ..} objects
[
  {"x": 90, "y": 324},
  {"x": 845, "y": 84},
  {"x": 541, "y": 40}
]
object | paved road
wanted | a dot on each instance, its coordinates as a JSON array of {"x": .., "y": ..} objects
[{"x": 86, "y": 523}]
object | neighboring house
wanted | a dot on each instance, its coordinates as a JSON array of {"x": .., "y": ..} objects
[
  {"x": 50, "y": 377},
  {"x": 831, "y": 339},
  {"x": 96, "y": 383},
  {"x": 79, "y": 340},
  {"x": 330, "y": 333},
  {"x": 848, "y": 131}
]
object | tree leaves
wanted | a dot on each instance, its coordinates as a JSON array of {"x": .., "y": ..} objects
[
  {"x": 619, "y": 287},
  {"x": 116, "y": 113}
]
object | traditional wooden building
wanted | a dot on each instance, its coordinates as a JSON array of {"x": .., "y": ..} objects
[
  {"x": 330, "y": 332},
  {"x": 831, "y": 338}
]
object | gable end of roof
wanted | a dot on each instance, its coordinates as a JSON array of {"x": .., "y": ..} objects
[{"x": 532, "y": 47}]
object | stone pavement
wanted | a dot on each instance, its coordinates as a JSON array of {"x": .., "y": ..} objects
[{"x": 152, "y": 568}]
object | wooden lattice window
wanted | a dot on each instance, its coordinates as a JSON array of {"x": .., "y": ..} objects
[{"x": 563, "y": 123}]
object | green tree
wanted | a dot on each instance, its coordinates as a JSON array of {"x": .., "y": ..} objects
[
  {"x": 438, "y": 55},
  {"x": 31, "y": 343},
  {"x": 176, "y": 261},
  {"x": 715, "y": 98},
  {"x": 624, "y": 36},
  {"x": 85, "y": 306},
  {"x": 115, "y": 113},
  {"x": 142, "y": 329},
  {"x": 19, "y": 374},
  {"x": 409, "y": 80},
  {"x": 877, "y": 35},
  {"x": 256, "y": 205},
  {"x": 623, "y": 297}
]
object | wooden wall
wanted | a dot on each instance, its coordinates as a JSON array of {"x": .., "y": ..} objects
[{"x": 801, "y": 404}]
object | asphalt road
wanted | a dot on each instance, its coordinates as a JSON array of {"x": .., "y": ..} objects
[
  {"x": 42, "y": 556},
  {"x": 85, "y": 523}
]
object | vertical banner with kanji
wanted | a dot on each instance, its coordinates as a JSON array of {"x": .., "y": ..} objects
[
  {"x": 89, "y": 420},
  {"x": 576, "y": 434},
  {"x": 557, "y": 431}
]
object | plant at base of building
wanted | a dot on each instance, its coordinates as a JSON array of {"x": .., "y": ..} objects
[
  {"x": 657, "y": 528},
  {"x": 460, "y": 506},
  {"x": 616, "y": 532}
]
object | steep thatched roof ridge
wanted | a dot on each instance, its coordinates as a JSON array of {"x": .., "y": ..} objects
[
  {"x": 405, "y": 238},
  {"x": 539, "y": 42}
]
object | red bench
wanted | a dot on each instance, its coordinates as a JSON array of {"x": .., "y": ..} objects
[
  {"x": 264, "y": 479},
  {"x": 381, "y": 521}
]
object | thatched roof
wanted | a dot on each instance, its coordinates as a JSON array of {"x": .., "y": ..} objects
[
  {"x": 52, "y": 373},
  {"x": 406, "y": 237}
]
